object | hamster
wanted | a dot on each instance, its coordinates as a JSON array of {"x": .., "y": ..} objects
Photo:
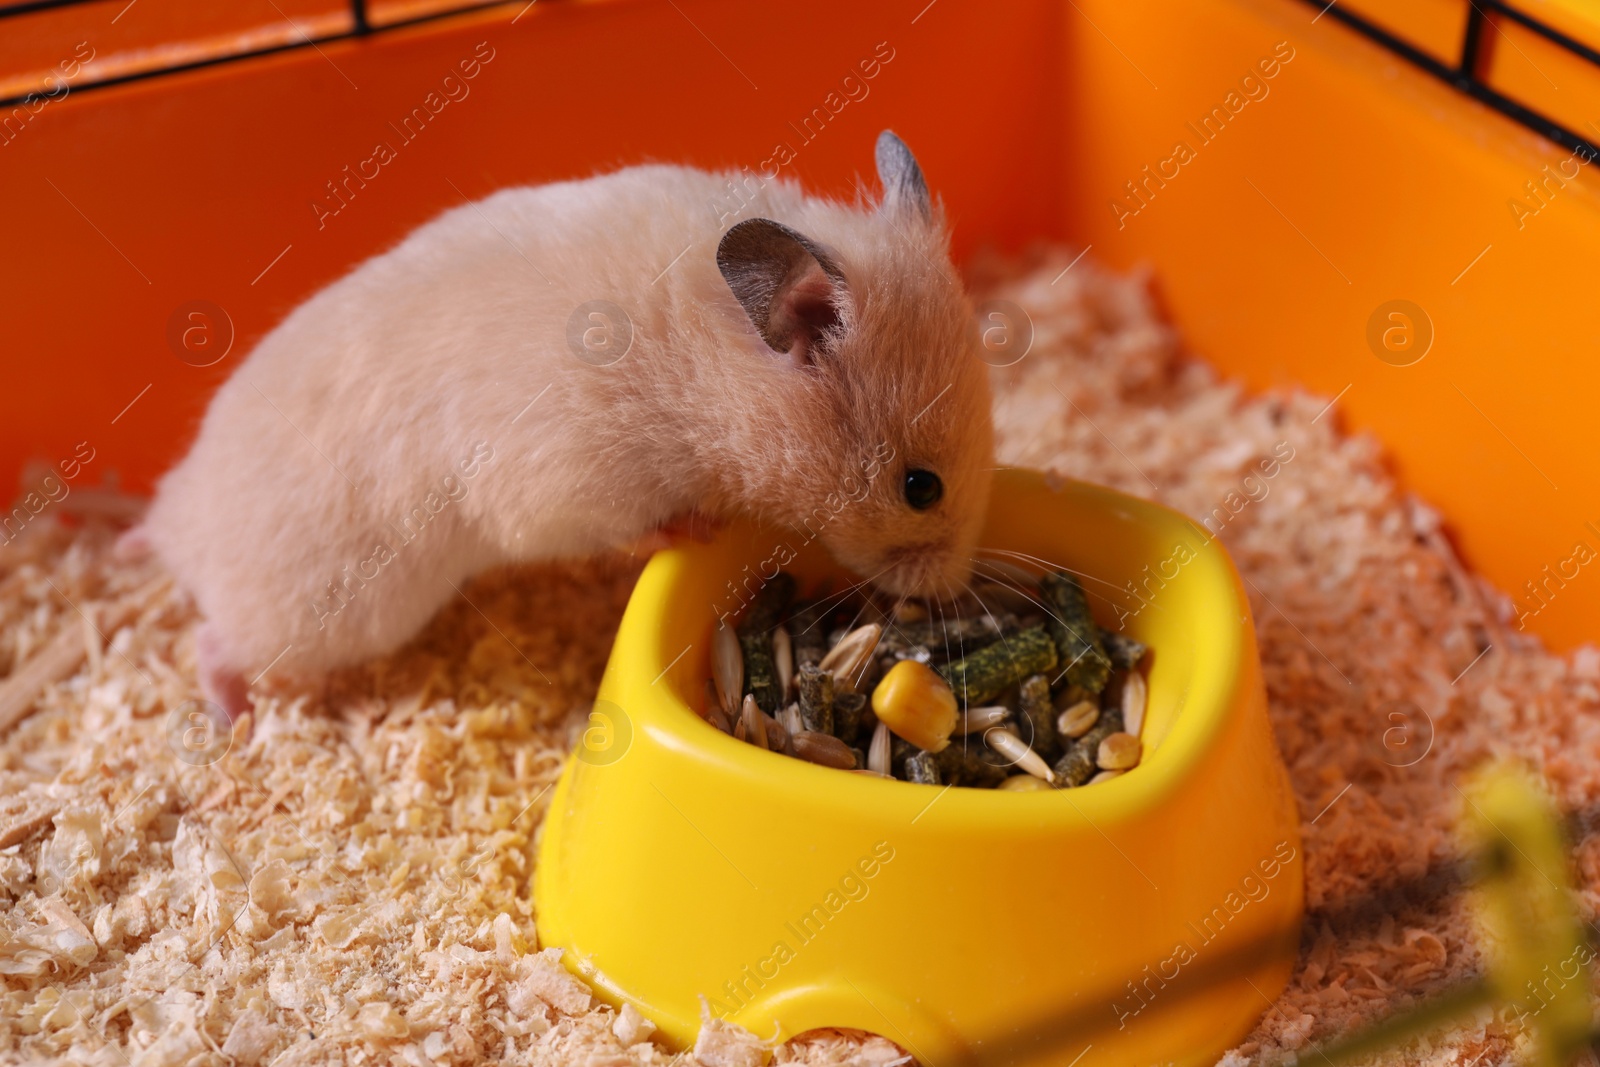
[{"x": 562, "y": 370}]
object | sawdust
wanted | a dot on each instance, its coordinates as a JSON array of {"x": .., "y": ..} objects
[{"x": 349, "y": 885}]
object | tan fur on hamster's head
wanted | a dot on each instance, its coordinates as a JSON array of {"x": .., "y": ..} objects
[{"x": 887, "y": 456}]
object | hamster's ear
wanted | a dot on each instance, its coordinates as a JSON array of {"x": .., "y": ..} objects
[
  {"x": 787, "y": 283},
  {"x": 904, "y": 191}
]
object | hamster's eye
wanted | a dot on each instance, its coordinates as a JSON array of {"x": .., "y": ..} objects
[{"x": 923, "y": 489}]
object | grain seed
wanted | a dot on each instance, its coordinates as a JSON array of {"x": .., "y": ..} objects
[
  {"x": 751, "y": 722},
  {"x": 1118, "y": 752},
  {"x": 824, "y": 749},
  {"x": 1078, "y": 719},
  {"x": 848, "y": 660}
]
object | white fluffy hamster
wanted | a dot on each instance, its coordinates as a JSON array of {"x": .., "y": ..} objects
[{"x": 428, "y": 415}]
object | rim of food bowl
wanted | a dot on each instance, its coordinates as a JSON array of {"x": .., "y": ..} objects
[{"x": 1197, "y": 722}]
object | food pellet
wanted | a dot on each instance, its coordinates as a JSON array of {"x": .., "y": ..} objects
[
  {"x": 1083, "y": 655},
  {"x": 985, "y": 674},
  {"x": 923, "y": 768},
  {"x": 1032, "y": 696},
  {"x": 815, "y": 687}
]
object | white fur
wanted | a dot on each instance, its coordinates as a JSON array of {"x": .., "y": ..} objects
[{"x": 390, "y": 377}]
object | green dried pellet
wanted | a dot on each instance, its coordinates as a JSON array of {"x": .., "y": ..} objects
[
  {"x": 766, "y": 610},
  {"x": 849, "y": 713},
  {"x": 964, "y": 764},
  {"x": 982, "y": 676},
  {"x": 760, "y": 672},
  {"x": 1126, "y": 653},
  {"x": 1074, "y": 768},
  {"x": 923, "y": 768},
  {"x": 1083, "y": 655},
  {"x": 815, "y": 687},
  {"x": 1079, "y": 764},
  {"x": 1040, "y": 713},
  {"x": 956, "y": 637}
]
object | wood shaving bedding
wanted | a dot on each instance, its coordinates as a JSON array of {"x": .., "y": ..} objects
[{"x": 350, "y": 884}]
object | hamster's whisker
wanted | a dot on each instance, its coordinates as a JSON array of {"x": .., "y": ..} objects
[
  {"x": 1049, "y": 565},
  {"x": 1088, "y": 591},
  {"x": 1004, "y": 581},
  {"x": 840, "y": 598}
]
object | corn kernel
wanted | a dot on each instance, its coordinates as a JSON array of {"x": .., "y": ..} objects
[
  {"x": 917, "y": 704},
  {"x": 1024, "y": 783}
]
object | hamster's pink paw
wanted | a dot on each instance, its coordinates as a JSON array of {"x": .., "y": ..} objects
[
  {"x": 132, "y": 545},
  {"x": 689, "y": 526},
  {"x": 221, "y": 683}
]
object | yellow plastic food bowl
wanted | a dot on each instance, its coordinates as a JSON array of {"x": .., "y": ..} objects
[{"x": 1146, "y": 918}]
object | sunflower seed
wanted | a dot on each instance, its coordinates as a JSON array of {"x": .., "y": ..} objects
[
  {"x": 878, "y": 753},
  {"x": 1015, "y": 749},
  {"x": 727, "y": 668},
  {"x": 719, "y": 718},
  {"x": 824, "y": 749},
  {"x": 975, "y": 719},
  {"x": 789, "y": 719},
  {"x": 848, "y": 659}
]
